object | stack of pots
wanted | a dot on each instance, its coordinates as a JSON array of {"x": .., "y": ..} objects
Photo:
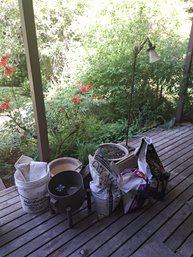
[{"x": 66, "y": 187}]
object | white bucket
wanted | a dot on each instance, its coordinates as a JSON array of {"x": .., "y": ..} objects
[{"x": 32, "y": 193}]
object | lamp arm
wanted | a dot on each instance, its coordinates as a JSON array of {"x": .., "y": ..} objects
[{"x": 139, "y": 48}]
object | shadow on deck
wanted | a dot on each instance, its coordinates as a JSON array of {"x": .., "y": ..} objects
[{"x": 163, "y": 228}]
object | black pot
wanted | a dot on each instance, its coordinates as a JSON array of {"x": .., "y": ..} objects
[{"x": 66, "y": 191}]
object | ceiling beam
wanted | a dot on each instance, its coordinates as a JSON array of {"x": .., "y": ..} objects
[{"x": 33, "y": 66}]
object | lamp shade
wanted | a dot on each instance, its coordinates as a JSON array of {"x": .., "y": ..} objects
[{"x": 153, "y": 56}]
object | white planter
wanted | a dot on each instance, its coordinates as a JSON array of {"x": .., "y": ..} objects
[
  {"x": 64, "y": 164},
  {"x": 118, "y": 147}
]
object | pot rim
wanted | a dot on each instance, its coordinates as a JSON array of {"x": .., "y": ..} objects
[{"x": 123, "y": 148}]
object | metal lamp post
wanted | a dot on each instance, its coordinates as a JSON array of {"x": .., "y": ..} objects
[{"x": 153, "y": 57}]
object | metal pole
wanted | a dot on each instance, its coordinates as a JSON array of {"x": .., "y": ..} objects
[
  {"x": 136, "y": 51},
  {"x": 130, "y": 97},
  {"x": 32, "y": 58}
]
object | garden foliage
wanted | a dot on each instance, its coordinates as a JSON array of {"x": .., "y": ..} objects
[{"x": 86, "y": 54}]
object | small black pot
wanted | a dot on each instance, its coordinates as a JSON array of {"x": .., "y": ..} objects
[{"x": 66, "y": 191}]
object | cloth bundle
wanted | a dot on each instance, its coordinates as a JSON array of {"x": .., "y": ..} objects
[{"x": 150, "y": 163}]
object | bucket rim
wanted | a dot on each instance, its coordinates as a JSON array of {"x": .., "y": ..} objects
[
  {"x": 60, "y": 174},
  {"x": 28, "y": 184}
]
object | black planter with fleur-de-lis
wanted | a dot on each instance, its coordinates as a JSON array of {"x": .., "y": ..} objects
[{"x": 66, "y": 192}]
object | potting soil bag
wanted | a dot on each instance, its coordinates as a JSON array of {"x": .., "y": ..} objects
[
  {"x": 102, "y": 171},
  {"x": 106, "y": 199},
  {"x": 103, "y": 186}
]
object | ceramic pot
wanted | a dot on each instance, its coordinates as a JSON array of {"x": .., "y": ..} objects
[{"x": 113, "y": 152}]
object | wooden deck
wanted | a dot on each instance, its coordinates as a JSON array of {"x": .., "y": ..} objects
[{"x": 162, "y": 229}]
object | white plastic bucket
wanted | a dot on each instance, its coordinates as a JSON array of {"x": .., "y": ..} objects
[{"x": 33, "y": 193}]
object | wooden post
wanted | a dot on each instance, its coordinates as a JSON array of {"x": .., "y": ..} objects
[
  {"x": 185, "y": 80},
  {"x": 32, "y": 58}
]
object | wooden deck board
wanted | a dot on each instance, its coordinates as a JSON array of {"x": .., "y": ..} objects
[
  {"x": 124, "y": 220},
  {"x": 154, "y": 249},
  {"x": 182, "y": 232},
  {"x": 54, "y": 227},
  {"x": 167, "y": 223},
  {"x": 129, "y": 238},
  {"x": 186, "y": 250}
]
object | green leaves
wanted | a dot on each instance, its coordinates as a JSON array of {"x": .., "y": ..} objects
[{"x": 93, "y": 42}]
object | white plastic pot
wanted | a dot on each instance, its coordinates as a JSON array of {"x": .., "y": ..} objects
[{"x": 105, "y": 147}]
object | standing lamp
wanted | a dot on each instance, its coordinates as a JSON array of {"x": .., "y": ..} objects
[{"x": 153, "y": 57}]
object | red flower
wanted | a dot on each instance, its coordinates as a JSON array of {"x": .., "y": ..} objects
[
  {"x": 83, "y": 89},
  {"x": 4, "y": 106},
  {"x": 88, "y": 87},
  {"x": 8, "y": 70},
  {"x": 4, "y": 60},
  {"x": 50, "y": 104},
  {"x": 76, "y": 100}
]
